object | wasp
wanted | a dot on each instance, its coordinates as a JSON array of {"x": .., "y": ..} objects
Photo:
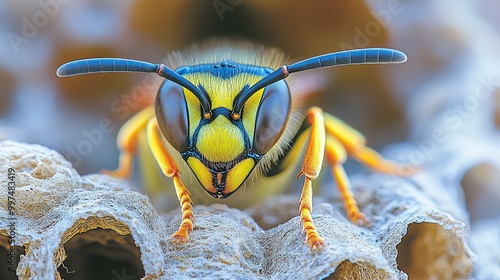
[{"x": 226, "y": 111}]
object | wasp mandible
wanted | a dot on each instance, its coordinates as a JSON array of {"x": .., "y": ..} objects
[{"x": 226, "y": 111}]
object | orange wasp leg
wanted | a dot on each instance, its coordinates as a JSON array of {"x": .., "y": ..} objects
[
  {"x": 336, "y": 155},
  {"x": 127, "y": 142},
  {"x": 170, "y": 169},
  {"x": 375, "y": 161},
  {"x": 311, "y": 167},
  {"x": 355, "y": 145}
]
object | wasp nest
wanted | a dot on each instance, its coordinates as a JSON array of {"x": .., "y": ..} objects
[{"x": 64, "y": 225}]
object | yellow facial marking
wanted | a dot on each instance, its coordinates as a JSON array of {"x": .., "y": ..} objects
[
  {"x": 251, "y": 107},
  {"x": 238, "y": 174},
  {"x": 193, "y": 110},
  {"x": 220, "y": 140},
  {"x": 222, "y": 93},
  {"x": 202, "y": 173}
]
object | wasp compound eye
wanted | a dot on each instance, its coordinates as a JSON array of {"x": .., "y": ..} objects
[
  {"x": 172, "y": 115},
  {"x": 272, "y": 116}
]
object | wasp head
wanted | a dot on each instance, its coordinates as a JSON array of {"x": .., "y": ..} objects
[{"x": 222, "y": 147}]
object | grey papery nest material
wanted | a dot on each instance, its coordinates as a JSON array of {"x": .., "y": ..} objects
[{"x": 72, "y": 225}]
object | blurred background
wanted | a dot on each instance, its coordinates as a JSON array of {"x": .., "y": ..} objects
[
  {"x": 443, "y": 102},
  {"x": 38, "y": 36},
  {"x": 380, "y": 101}
]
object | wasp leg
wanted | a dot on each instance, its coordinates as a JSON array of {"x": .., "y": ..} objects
[
  {"x": 375, "y": 161},
  {"x": 127, "y": 142},
  {"x": 170, "y": 169},
  {"x": 336, "y": 155},
  {"x": 311, "y": 167},
  {"x": 355, "y": 145}
]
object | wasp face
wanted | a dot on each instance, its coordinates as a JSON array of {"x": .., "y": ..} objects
[{"x": 222, "y": 150}]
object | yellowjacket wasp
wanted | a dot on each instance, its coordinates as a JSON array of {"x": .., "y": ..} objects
[{"x": 226, "y": 111}]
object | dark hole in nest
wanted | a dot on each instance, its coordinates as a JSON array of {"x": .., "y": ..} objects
[
  {"x": 428, "y": 251},
  {"x": 480, "y": 185},
  {"x": 101, "y": 254},
  {"x": 361, "y": 270}
]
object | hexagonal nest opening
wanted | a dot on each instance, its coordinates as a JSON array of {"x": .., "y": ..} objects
[
  {"x": 428, "y": 251},
  {"x": 9, "y": 258},
  {"x": 101, "y": 254}
]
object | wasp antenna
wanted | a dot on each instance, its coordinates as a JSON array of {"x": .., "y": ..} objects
[
  {"x": 102, "y": 65},
  {"x": 361, "y": 56},
  {"x": 97, "y": 65}
]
